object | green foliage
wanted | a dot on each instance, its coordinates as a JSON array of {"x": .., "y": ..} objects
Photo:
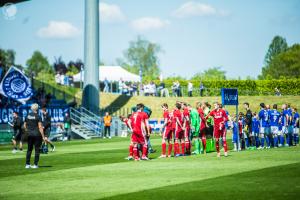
[
  {"x": 214, "y": 73},
  {"x": 142, "y": 54},
  {"x": 285, "y": 65},
  {"x": 72, "y": 70},
  {"x": 277, "y": 46},
  {"x": 245, "y": 87},
  {"x": 7, "y": 58},
  {"x": 38, "y": 63},
  {"x": 281, "y": 61}
]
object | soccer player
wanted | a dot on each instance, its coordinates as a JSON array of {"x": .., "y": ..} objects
[
  {"x": 255, "y": 129},
  {"x": 285, "y": 123},
  {"x": 140, "y": 128},
  {"x": 195, "y": 127},
  {"x": 127, "y": 122},
  {"x": 203, "y": 125},
  {"x": 295, "y": 124},
  {"x": 264, "y": 123},
  {"x": 187, "y": 128},
  {"x": 167, "y": 132},
  {"x": 274, "y": 123},
  {"x": 17, "y": 136},
  {"x": 178, "y": 130},
  {"x": 220, "y": 117}
]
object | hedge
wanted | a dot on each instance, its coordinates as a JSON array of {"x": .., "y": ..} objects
[{"x": 245, "y": 87}]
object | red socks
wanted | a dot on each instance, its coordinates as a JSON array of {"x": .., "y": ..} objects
[
  {"x": 176, "y": 148},
  {"x": 204, "y": 143},
  {"x": 130, "y": 150},
  {"x": 135, "y": 153},
  {"x": 169, "y": 149},
  {"x": 145, "y": 151},
  {"x": 164, "y": 147},
  {"x": 225, "y": 145},
  {"x": 188, "y": 147},
  {"x": 217, "y": 145},
  {"x": 183, "y": 147}
]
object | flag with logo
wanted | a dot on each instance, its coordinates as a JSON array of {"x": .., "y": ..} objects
[{"x": 16, "y": 85}]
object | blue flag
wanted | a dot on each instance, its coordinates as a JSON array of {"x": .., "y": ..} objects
[{"x": 16, "y": 85}]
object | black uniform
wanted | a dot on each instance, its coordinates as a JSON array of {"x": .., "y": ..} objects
[
  {"x": 46, "y": 120},
  {"x": 248, "y": 120},
  {"x": 17, "y": 127},
  {"x": 34, "y": 137}
]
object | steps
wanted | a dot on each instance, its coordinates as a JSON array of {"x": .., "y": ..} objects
[{"x": 85, "y": 124}]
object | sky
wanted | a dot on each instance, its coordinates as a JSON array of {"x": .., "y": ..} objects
[{"x": 194, "y": 35}]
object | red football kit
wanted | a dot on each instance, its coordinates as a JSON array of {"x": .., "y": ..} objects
[
  {"x": 220, "y": 117},
  {"x": 167, "y": 134}
]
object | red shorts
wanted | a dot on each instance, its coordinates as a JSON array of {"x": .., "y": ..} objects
[
  {"x": 138, "y": 137},
  {"x": 179, "y": 134},
  {"x": 187, "y": 132},
  {"x": 219, "y": 133},
  {"x": 167, "y": 134}
]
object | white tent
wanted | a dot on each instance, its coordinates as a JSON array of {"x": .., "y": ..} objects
[{"x": 112, "y": 73}]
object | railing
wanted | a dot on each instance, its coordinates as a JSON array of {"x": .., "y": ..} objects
[{"x": 87, "y": 121}]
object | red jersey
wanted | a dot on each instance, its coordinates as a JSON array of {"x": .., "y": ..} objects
[
  {"x": 220, "y": 117},
  {"x": 177, "y": 114},
  {"x": 168, "y": 116},
  {"x": 203, "y": 120},
  {"x": 138, "y": 121},
  {"x": 186, "y": 115}
]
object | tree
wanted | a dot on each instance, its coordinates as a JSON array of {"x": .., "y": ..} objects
[
  {"x": 60, "y": 66},
  {"x": 7, "y": 58},
  {"x": 284, "y": 65},
  {"x": 214, "y": 73},
  {"x": 142, "y": 54},
  {"x": 38, "y": 63},
  {"x": 277, "y": 46}
]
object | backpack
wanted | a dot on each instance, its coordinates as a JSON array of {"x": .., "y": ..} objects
[{"x": 44, "y": 148}]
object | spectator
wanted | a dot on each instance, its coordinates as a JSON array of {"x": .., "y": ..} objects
[
  {"x": 57, "y": 78},
  {"x": 164, "y": 92},
  {"x": 107, "y": 123},
  {"x": 67, "y": 126},
  {"x": 190, "y": 89},
  {"x": 174, "y": 89},
  {"x": 277, "y": 92},
  {"x": 106, "y": 86},
  {"x": 201, "y": 89},
  {"x": 120, "y": 84},
  {"x": 152, "y": 88}
]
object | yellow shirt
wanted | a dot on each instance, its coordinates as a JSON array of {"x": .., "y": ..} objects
[{"x": 107, "y": 120}]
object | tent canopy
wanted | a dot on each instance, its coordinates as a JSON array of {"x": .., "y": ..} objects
[{"x": 111, "y": 73}]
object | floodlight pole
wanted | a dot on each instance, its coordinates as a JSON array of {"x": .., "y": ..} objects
[{"x": 90, "y": 95}]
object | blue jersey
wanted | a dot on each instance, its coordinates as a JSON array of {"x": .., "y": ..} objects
[
  {"x": 255, "y": 125},
  {"x": 295, "y": 117},
  {"x": 274, "y": 117},
  {"x": 284, "y": 118},
  {"x": 264, "y": 118}
]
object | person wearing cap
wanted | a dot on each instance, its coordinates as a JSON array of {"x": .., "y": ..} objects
[{"x": 34, "y": 127}]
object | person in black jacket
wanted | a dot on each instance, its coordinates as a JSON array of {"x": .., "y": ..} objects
[
  {"x": 248, "y": 122},
  {"x": 17, "y": 135},
  {"x": 46, "y": 121},
  {"x": 33, "y": 125}
]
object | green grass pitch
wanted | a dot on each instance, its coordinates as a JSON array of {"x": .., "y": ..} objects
[{"x": 96, "y": 169}]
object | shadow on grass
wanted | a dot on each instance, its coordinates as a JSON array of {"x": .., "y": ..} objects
[{"x": 280, "y": 182}]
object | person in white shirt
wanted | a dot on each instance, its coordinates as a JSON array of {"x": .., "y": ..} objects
[{"x": 190, "y": 89}]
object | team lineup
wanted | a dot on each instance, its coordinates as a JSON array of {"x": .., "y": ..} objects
[{"x": 185, "y": 125}]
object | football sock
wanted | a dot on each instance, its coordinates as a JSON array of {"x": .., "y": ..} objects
[
  {"x": 197, "y": 146},
  {"x": 275, "y": 141},
  {"x": 247, "y": 142},
  {"x": 182, "y": 148},
  {"x": 204, "y": 143},
  {"x": 262, "y": 141},
  {"x": 281, "y": 140},
  {"x": 130, "y": 150},
  {"x": 217, "y": 146},
  {"x": 170, "y": 149},
  {"x": 163, "y": 146},
  {"x": 268, "y": 141},
  {"x": 225, "y": 145}
]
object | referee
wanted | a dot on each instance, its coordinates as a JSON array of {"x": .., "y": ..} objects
[{"x": 33, "y": 126}]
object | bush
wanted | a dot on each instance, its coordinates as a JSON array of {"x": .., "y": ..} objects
[{"x": 245, "y": 87}]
